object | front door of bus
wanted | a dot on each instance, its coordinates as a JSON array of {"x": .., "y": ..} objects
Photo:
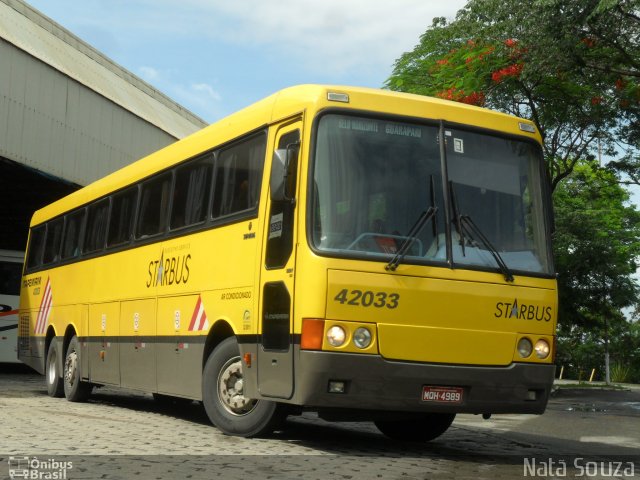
[{"x": 275, "y": 352}]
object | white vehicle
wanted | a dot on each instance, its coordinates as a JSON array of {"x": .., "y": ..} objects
[{"x": 10, "y": 273}]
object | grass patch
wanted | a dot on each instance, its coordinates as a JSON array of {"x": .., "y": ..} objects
[{"x": 587, "y": 385}]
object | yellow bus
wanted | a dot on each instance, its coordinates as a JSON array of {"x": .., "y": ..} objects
[{"x": 361, "y": 253}]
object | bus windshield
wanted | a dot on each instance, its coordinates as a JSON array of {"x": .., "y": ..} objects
[{"x": 375, "y": 178}]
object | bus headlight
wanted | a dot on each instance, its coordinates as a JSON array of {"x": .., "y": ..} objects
[
  {"x": 524, "y": 347},
  {"x": 362, "y": 337},
  {"x": 542, "y": 349},
  {"x": 336, "y": 336}
]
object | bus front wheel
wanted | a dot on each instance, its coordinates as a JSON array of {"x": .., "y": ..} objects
[
  {"x": 421, "y": 429},
  {"x": 55, "y": 387},
  {"x": 75, "y": 390},
  {"x": 223, "y": 399}
]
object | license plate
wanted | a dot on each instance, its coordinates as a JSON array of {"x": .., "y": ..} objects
[{"x": 442, "y": 394}]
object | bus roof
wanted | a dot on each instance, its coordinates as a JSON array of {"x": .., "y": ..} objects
[{"x": 280, "y": 105}]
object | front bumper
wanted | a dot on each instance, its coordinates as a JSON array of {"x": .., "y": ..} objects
[{"x": 373, "y": 383}]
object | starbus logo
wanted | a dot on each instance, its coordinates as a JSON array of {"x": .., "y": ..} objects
[
  {"x": 35, "y": 468},
  {"x": 168, "y": 270},
  {"x": 522, "y": 311}
]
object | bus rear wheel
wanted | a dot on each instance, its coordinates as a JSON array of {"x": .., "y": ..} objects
[
  {"x": 420, "y": 429},
  {"x": 223, "y": 399},
  {"x": 55, "y": 387},
  {"x": 75, "y": 390}
]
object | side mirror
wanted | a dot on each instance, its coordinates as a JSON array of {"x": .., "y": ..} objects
[
  {"x": 278, "y": 175},
  {"x": 283, "y": 173}
]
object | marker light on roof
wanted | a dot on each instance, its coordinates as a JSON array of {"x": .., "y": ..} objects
[
  {"x": 527, "y": 127},
  {"x": 337, "y": 97}
]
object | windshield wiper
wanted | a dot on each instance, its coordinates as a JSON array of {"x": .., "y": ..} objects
[
  {"x": 456, "y": 216},
  {"x": 434, "y": 220},
  {"x": 470, "y": 226},
  {"x": 411, "y": 237},
  {"x": 466, "y": 227}
]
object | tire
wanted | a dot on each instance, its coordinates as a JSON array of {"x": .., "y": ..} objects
[
  {"x": 53, "y": 378},
  {"x": 226, "y": 407},
  {"x": 75, "y": 390},
  {"x": 421, "y": 429}
]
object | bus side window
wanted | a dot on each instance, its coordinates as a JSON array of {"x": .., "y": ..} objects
[
  {"x": 121, "y": 220},
  {"x": 72, "y": 229},
  {"x": 190, "y": 194},
  {"x": 53, "y": 241},
  {"x": 96, "y": 230},
  {"x": 10, "y": 274},
  {"x": 36, "y": 247},
  {"x": 239, "y": 176},
  {"x": 154, "y": 206}
]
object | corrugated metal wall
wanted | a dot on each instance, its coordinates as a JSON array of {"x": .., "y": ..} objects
[
  {"x": 42, "y": 38},
  {"x": 51, "y": 122}
]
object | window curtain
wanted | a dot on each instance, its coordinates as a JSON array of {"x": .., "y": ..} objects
[
  {"x": 197, "y": 190},
  {"x": 342, "y": 205},
  {"x": 256, "y": 165}
]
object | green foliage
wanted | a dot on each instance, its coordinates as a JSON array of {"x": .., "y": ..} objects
[
  {"x": 596, "y": 245},
  {"x": 581, "y": 349},
  {"x": 570, "y": 65},
  {"x": 626, "y": 350},
  {"x": 629, "y": 166},
  {"x": 579, "y": 354},
  {"x": 620, "y": 373}
]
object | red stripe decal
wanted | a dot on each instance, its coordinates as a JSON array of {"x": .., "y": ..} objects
[{"x": 194, "y": 317}]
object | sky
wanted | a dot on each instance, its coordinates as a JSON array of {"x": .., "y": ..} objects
[{"x": 215, "y": 57}]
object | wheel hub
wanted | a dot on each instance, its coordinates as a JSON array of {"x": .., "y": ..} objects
[
  {"x": 71, "y": 368},
  {"x": 231, "y": 389}
]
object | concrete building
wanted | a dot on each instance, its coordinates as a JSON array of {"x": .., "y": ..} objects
[{"x": 68, "y": 116}]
